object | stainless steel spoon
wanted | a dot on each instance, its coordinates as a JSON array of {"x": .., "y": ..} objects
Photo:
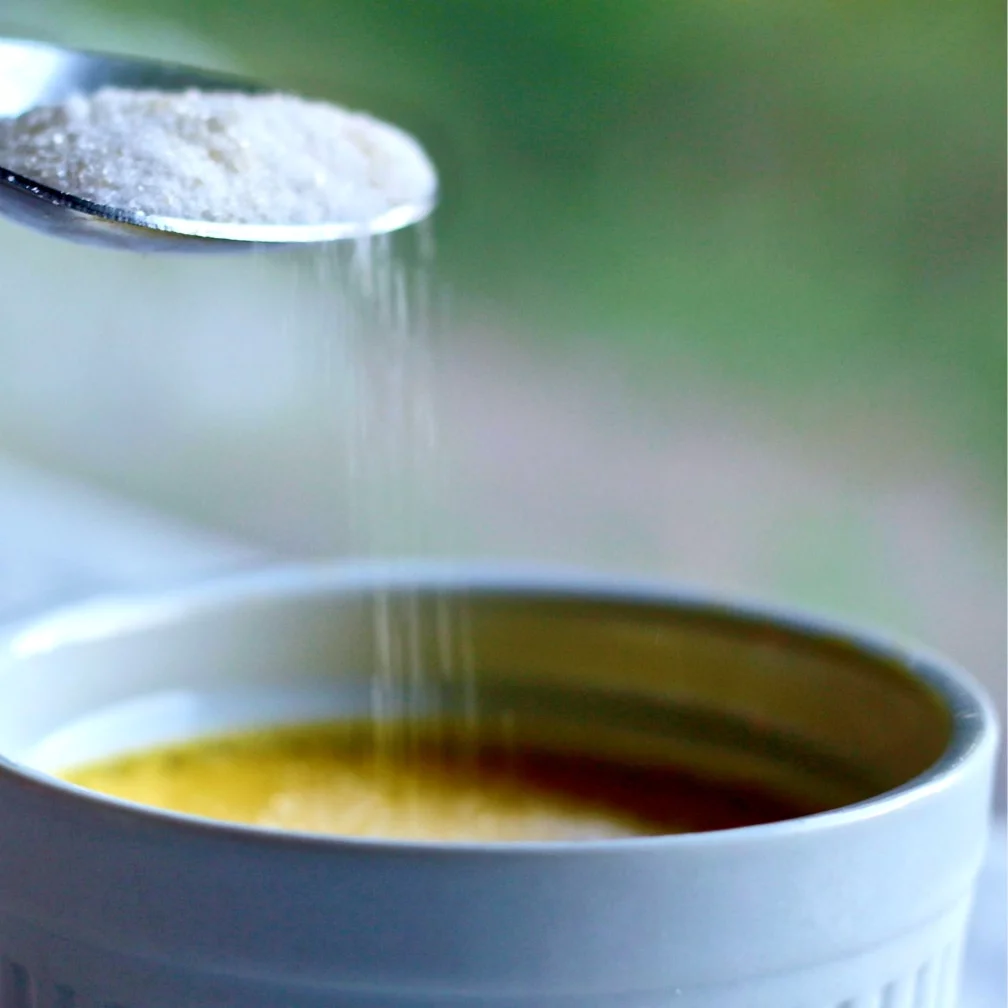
[{"x": 34, "y": 74}]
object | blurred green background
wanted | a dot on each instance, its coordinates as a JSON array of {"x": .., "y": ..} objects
[
  {"x": 726, "y": 289},
  {"x": 810, "y": 194}
]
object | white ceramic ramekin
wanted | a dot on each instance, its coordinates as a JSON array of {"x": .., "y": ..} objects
[{"x": 104, "y": 904}]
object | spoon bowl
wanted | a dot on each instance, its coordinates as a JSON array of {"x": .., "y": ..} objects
[{"x": 34, "y": 74}]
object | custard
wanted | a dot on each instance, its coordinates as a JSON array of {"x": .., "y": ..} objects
[{"x": 333, "y": 779}]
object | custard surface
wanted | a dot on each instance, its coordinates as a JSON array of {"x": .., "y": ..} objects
[{"x": 333, "y": 779}]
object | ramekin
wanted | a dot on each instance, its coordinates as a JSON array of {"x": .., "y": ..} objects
[{"x": 105, "y": 904}]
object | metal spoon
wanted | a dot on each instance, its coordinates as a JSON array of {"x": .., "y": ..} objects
[{"x": 34, "y": 74}]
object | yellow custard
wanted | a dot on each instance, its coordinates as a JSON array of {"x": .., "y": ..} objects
[{"x": 330, "y": 779}]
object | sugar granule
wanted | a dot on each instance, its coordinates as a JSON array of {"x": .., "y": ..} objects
[{"x": 219, "y": 156}]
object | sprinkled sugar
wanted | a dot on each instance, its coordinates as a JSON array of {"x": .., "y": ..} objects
[{"x": 219, "y": 156}]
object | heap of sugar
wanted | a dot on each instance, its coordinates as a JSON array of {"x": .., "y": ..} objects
[{"x": 219, "y": 156}]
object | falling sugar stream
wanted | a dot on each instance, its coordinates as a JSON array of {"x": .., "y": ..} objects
[{"x": 376, "y": 350}]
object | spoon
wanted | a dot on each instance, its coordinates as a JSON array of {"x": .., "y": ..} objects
[{"x": 35, "y": 74}]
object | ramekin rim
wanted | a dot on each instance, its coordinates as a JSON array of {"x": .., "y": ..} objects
[{"x": 973, "y": 719}]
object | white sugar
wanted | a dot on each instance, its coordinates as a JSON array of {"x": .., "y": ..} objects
[{"x": 219, "y": 156}]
